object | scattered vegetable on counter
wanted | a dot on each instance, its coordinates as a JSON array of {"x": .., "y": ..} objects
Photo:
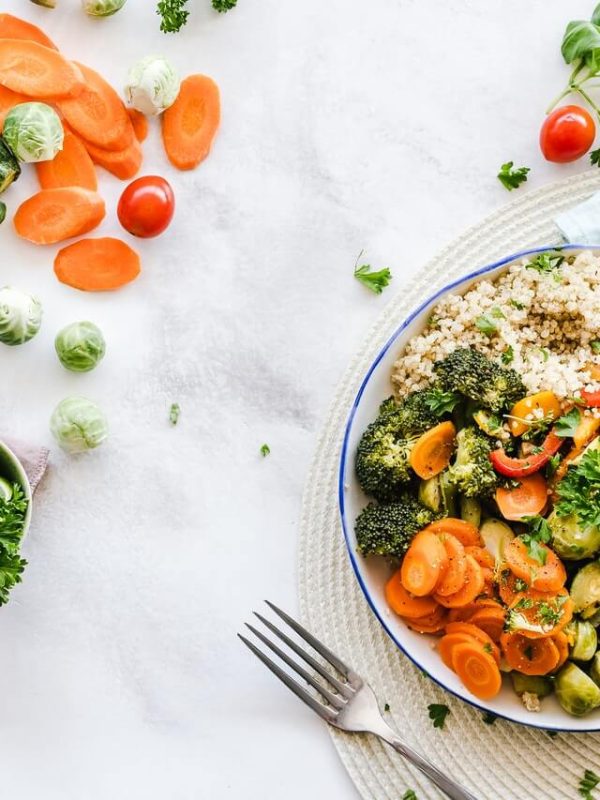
[
  {"x": 438, "y": 713},
  {"x": 375, "y": 281},
  {"x": 152, "y": 85},
  {"x": 174, "y": 14},
  {"x": 78, "y": 425},
  {"x": 33, "y": 132},
  {"x": 189, "y": 125},
  {"x": 265, "y": 450},
  {"x": 174, "y": 413},
  {"x": 20, "y": 316},
  {"x": 146, "y": 206},
  {"x": 97, "y": 265},
  {"x": 567, "y": 134},
  {"x": 512, "y": 177},
  {"x": 102, "y": 8},
  {"x": 587, "y": 784},
  {"x": 80, "y": 346}
]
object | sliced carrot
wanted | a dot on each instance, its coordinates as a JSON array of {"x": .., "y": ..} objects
[
  {"x": 17, "y": 28},
  {"x": 481, "y": 555},
  {"x": 509, "y": 585},
  {"x": 538, "y": 614},
  {"x": 140, "y": 124},
  {"x": 548, "y": 577},
  {"x": 124, "y": 164},
  {"x": 98, "y": 114},
  {"x": 490, "y": 620},
  {"x": 586, "y": 430},
  {"x": 530, "y": 656},
  {"x": 72, "y": 166},
  {"x": 432, "y": 451},
  {"x": 431, "y": 623},
  {"x": 528, "y": 499},
  {"x": 471, "y": 588},
  {"x": 562, "y": 645},
  {"x": 405, "y": 604},
  {"x": 461, "y": 614},
  {"x": 190, "y": 124},
  {"x": 99, "y": 265},
  {"x": 37, "y": 71},
  {"x": 540, "y": 405},
  {"x": 454, "y": 574},
  {"x": 423, "y": 564},
  {"x": 447, "y": 643},
  {"x": 53, "y": 215},
  {"x": 476, "y": 633},
  {"x": 466, "y": 533},
  {"x": 477, "y": 670},
  {"x": 8, "y": 100}
]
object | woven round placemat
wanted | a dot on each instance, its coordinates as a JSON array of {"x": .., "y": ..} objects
[{"x": 499, "y": 760}]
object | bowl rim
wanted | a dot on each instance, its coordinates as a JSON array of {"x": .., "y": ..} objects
[
  {"x": 24, "y": 481},
  {"x": 343, "y": 462}
]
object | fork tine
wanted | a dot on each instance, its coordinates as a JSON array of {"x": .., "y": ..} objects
[
  {"x": 343, "y": 688},
  {"x": 312, "y": 641},
  {"x": 325, "y": 713},
  {"x": 333, "y": 700}
]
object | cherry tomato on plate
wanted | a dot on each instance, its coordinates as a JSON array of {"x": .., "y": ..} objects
[
  {"x": 567, "y": 134},
  {"x": 146, "y": 206}
]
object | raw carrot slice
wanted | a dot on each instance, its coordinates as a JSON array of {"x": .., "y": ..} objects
[
  {"x": 548, "y": 577},
  {"x": 423, "y": 564},
  {"x": 124, "y": 164},
  {"x": 528, "y": 499},
  {"x": 455, "y": 573},
  {"x": 540, "y": 405},
  {"x": 537, "y": 614},
  {"x": 190, "y": 124},
  {"x": 37, "y": 71},
  {"x": 72, "y": 166},
  {"x": 98, "y": 114},
  {"x": 447, "y": 643},
  {"x": 140, "y": 124},
  {"x": 471, "y": 588},
  {"x": 98, "y": 265},
  {"x": 490, "y": 620},
  {"x": 8, "y": 100},
  {"x": 404, "y": 603},
  {"x": 431, "y": 452},
  {"x": 477, "y": 670},
  {"x": 530, "y": 656},
  {"x": 478, "y": 634},
  {"x": 432, "y": 623},
  {"x": 466, "y": 533},
  {"x": 56, "y": 214},
  {"x": 17, "y": 28}
]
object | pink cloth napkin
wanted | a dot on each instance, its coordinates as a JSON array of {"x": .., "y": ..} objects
[{"x": 34, "y": 460}]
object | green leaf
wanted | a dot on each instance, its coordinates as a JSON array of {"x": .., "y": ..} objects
[
  {"x": 510, "y": 177},
  {"x": 265, "y": 450},
  {"x": 508, "y": 355},
  {"x": 409, "y": 794},
  {"x": 441, "y": 402},
  {"x": 173, "y": 14},
  {"x": 516, "y": 304},
  {"x": 595, "y": 345},
  {"x": 568, "y": 423},
  {"x": 438, "y": 713},
  {"x": 488, "y": 717},
  {"x": 579, "y": 491},
  {"x": 486, "y": 325},
  {"x": 2, "y": 212},
  {"x": 539, "y": 534},
  {"x": 174, "y": 413},
  {"x": 223, "y": 5},
  {"x": 581, "y": 44},
  {"x": 595, "y": 157},
  {"x": 375, "y": 281},
  {"x": 588, "y": 783},
  {"x": 546, "y": 262},
  {"x": 386, "y": 707}
]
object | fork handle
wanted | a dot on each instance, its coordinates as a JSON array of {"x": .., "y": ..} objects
[{"x": 447, "y": 785}]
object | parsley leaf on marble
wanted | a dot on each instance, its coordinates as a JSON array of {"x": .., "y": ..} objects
[
  {"x": 375, "y": 281},
  {"x": 174, "y": 413},
  {"x": 511, "y": 177},
  {"x": 173, "y": 13},
  {"x": 265, "y": 450}
]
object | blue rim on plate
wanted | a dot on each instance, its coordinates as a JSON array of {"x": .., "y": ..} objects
[{"x": 344, "y": 464}]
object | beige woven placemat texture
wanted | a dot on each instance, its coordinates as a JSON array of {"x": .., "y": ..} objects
[{"x": 503, "y": 760}]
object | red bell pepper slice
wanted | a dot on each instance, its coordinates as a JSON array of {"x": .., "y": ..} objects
[
  {"x": 591, "y": 399},
  {"x": 522, "y": 467}
]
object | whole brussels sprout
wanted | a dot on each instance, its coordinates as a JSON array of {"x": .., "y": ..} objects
[
  {"x": 102, "y": 8},
  {"x": 583, "y": 639},
  {"x": 535, "y": 684},
  {"x": 78, "y": 424},
  {"x": 33, "y": 131},
  {"x": 595, "y": 669},
  {"x": 576, "y": 692},
  {"x": 80, "y": 346},
  {"x": 152, "y": 85},
  {"x": 585, "y": 590},
  {"x": 20, "y": 316},
  {"x": 571, "y": 540}
]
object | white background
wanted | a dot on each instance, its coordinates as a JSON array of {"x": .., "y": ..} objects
[{"x": 347, "y": 124}]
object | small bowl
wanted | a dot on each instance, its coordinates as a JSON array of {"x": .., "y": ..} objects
[
  {"x": 373, "y": 572},
  {"x": 12, "y": 470}
]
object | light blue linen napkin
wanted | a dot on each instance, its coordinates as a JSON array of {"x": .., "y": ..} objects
[{"x": 581, "y": 224}]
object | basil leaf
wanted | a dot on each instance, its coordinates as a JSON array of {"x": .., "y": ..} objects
[{"x": 581, "y": 42}]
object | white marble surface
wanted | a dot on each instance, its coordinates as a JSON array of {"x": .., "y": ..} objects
[{"x": 347, "y": 124}]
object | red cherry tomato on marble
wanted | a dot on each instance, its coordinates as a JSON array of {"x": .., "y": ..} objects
[
  {"x": 567, "y": 134},
  {"x": 146, "y": 206}
]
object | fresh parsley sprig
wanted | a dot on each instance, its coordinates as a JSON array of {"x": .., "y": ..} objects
[
  {"x": 175, "y": 15},
  {"x": 539, "y": 534},
  {"x": 441, "y": 402},
  {"x": 375, "y": 281},
  {"x": 12, "y": 519},
  {"x": 587, "y": 784},
  {"x": 579, "y": 491},
  {"x": 438, "y": 713},
  {"x": 546, "y": 262},
  {"x": 567, "y": 424},
  {"x": 512, "y": 177}
]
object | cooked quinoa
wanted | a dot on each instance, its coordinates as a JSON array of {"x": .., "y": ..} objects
[{"x": 540, "y": 323}]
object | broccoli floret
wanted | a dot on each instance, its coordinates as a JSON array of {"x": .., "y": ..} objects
[
  {"x": 415, "y": 415},
  {"x": 470, "y": 373},
  {"x": 389, "y": 529},
  {"x": 382, "y": 459},
  {"x": 472, "y": 471}
]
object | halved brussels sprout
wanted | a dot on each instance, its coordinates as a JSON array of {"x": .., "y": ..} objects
[
  {"x": 585, "y": 590},
  {"x": 9, "y": 167},
  {"x": 152, "y": 85},
  {"x": 496, "y": 535},
  {"x": 449, "y": 493},
  {"x": 470, "y": 510},
  {"x": 571, "y": 540},
  {"x": 20, "y": 316},
  {"x": 45, "y": 3},
  {"x": 583, "y": 640},
  {"x": 438, "y": 494},
  {"x": 33, "y": 131},
  {"x": 80, "y": 346},
  {"x": 534, "y": 684},
  {"x": 576, "y": 692},
  {"x": 595, "y": 669},
  {"x": 102, "y": 8},
  {"x": 78, "y": 425}
]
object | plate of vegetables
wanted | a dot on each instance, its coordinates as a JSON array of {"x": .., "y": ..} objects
[{"x": 469, "y": 488}]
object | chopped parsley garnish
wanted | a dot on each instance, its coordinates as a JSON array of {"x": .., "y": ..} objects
[
  {"x": 438, "y": 713},
  {"x": 538, "y": 535},
  {"x": 546, "y": 262},
  {"x": 587, "y": 784},
  {"x": 579, "y": 491},
  {"x": 223, "y": 5},
  {"x": 265, "y": 450},
  {"x": 486, "y": 324},
  {"x": 386, "y": 707},
  {"x": 595, "y": 345},
  {"x": 507, "y": 355},
  {"x": 595, "y": 157},
  {"x": 516, "y": 304},
  {"x": 520, "y": 585},
  {"x": 552, "y": 465},
  {"x": 489, "y": 718},
  {"x": 375, "y": 281},
  {"x": 409, "y": 795},
  {"x": 547, "y": 615},
  {"x": 568, "y": 423},
  {"x": 441, "y": 402},
  {"x": 173, "y": 13},
  {"x": 512, "y": 177},
  {"x": 487, "y": 648},
  {"x": 552, "y": 734},
  {"x": 174, "y": 413}
]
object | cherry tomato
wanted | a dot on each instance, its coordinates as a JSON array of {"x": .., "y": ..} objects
[
  {"x": 567, "y": 134},
  {"x": 146, "y": 206}
]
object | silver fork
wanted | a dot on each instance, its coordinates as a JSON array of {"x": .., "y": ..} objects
[{"x": 350, "y": 703}]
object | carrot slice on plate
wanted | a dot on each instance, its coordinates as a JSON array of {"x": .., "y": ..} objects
[
  {"x": 431, "y": 623},
  {"x": 8, "y": 100},
  {"x": 53, "y": 215},
  {"x": 547, "y": 577},
  {"x": 431, "y": 453},
  {"x": 525, "y": 500},
  {"x": 530, "y": 656},
  {"x": 467, "y": 534},
  {"x": 477, "y": 670},
  {"x": 454, "y": 574},
  {"x": 425, "y": 561},
  {"x": 405, "y": 604},
  {"x": 98, "y": 265},
  {"x": 37, "y": 71},
  {"x": 16, "y": 28},
  {"x": 140, "y": 124},
  {"x": 472, "y": 587},
  {"x": 509, "y": 585},
  {"x": 123, "y": 164},
  {"x": 481, "y": 555},
  {"x": 98, "y": 114},
  {"x": 489, "y": 620},
  {"x": 190, "y": 124},
  {"x": 476, "y": 633},
  {"x": 537, "y": 614},
  {"x": 72, "y": 166},
  {"x": 447, "y": 643}
]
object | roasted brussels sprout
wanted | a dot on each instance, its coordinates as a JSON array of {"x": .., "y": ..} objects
[
  {"x": 585, "y": 590},
  {"x": 576, "y": 692},
  {"x": 595, "y": 669},
  {"x": 572, "y": 540},
  {"x": 496, "y": 535},
  {"x": 470, "y": 510},
  {"x": 9, "y": 167},
  {"x": 534, "y": 684},
  {"x": 583, "y": 640}
]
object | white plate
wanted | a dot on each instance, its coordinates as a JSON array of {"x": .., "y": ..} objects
[{"x": 372, "y": 572}]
